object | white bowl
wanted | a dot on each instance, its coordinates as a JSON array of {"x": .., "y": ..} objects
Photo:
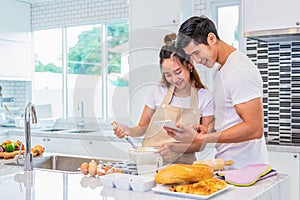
[
  {"x": 142, "y": 183},
  {"x": 108, "y": 180},
  {"x": 141, "y": 151},
  {"x": 128, "y": 182},
  {"x": 122, "y": 182}
]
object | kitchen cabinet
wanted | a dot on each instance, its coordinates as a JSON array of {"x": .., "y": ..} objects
[
  {"x": 288, "y": 162},
  {"x": 14, "y": 138},
  {"x": 60, "y": 145},
  {"x": 2, "y": 138},
  {"x": 107, "y": 149},
  {"x": 14, "y": 21},
  {"x": 268, "y": 14},
  {"x": 145, "y": 40},
  {"x": 84, "y": 147},
  {"x": 155, "y": 13},
  {"x": 15, "y": 46},
  {"x": 15, "y": 60}
]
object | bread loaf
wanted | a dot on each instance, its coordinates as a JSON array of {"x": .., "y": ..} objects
[{"x": 181, "y": 173}]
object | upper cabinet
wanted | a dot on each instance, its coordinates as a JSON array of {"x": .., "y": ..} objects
[
  {"x": 15, "y": 45},
  {"x": 157, "y": 13},
  {"x": 149, "y": 22},
  {"x": 14, "y": 21},
  {"x": 269, "y": 15}
]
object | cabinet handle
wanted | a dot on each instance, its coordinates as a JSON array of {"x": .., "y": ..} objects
[
  {"x": 44, "y": 139},
  {"x": 174, "y": 21},
  {"x": 295, "y": 156},
  {"x": 48, "y": 139},
  {"x": 297, "y": 23},
  {"x": 90, "y": 142}
]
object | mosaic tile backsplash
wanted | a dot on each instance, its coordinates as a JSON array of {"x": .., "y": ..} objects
[
  {"x": 19, "y": 90},
  {"x": 279, "y": 65}
]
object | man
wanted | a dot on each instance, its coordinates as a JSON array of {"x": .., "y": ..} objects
[{"x": 237, "y": 96}]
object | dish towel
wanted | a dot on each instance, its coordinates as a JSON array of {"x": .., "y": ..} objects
[{"x": 248, "y": 175}]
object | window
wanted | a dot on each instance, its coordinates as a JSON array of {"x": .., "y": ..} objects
[
  {"x": 84, "y": 70},
  {"x": 81, "y": 64},
  {"x": 228, "y": 26},
  {"x": 47, "y": 80},
  {"x": 226, "y": 15}
]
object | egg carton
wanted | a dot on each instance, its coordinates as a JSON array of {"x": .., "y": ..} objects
[
  {"x": 126, "y": 166},
  {"x": 128, "y": 182}
]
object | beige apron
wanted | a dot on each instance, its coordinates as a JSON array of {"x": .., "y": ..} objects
[{"x": 155, "y": 135}]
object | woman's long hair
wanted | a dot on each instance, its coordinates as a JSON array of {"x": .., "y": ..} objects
[{"x": 170, "y": 51}]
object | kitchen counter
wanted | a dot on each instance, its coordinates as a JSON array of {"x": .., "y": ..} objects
[{"x": 44, "y": 185}]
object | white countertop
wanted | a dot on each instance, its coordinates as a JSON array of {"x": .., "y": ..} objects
[{"x": 44, "y": 185}]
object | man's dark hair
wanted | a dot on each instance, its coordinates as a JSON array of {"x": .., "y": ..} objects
[{"x": 195, "y": 29}]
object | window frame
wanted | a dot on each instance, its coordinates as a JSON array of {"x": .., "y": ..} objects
[
  {"x": 104, "y": 62},
  {"x": 216, "y": 4}
]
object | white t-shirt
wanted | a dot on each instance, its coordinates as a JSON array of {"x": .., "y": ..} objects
[
  {"x": 238, "y": 81},
  {"x": 158, "y": 93}
]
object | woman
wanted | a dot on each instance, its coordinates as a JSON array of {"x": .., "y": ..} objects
[{"x": 180, "y": 96}]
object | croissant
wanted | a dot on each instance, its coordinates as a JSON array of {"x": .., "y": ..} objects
[{"x": 181, "y": 173}]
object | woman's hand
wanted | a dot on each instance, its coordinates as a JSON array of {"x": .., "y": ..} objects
[
  {"x": 120, "y": 130},
  {"x": 186, "y": 137},
  {"x": 194, "y": 136},
  {"x": 167, "y": 153}
]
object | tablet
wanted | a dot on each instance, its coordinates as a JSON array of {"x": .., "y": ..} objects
[{"x": 169, "y": 124}]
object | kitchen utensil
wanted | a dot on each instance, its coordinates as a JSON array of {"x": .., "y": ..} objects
[
  {"x": 20, "y": 158},
  {"x": 9, "y": 112},
  {"x": 127, "y": 138},
  {"x": 130, "y": 141},
  {"x": 215, "y": 164},
  {"x": 146, "y": 159}
]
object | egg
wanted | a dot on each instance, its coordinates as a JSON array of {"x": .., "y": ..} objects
[
  {"x": 92, "y": 168},
  {"x": 84, "y": 168},
  {"x": 100, "y": 172}
]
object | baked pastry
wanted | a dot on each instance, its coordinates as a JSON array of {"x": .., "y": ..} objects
[
  {"x": 37, "y": 150},
  {"x": 205, "y": 187},
  {"x": 181, "y": 173}
]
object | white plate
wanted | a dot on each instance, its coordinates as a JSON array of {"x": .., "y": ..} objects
[{"x": 164, "y": 189}]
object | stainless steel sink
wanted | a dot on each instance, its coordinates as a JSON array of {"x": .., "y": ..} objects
[
  {"x": 65, "y": 130},
  {"x": 81, "y": 131},
  {"x": 61, "y": 163},
  {"x": 54, "y": 129}
]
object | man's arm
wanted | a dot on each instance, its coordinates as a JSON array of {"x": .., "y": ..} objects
[{"x": 251, "y": 127}]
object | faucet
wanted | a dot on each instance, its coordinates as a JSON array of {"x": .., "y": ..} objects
[
  {"x": 29, "y": 110},
  {"x": 80, "y": 107}
]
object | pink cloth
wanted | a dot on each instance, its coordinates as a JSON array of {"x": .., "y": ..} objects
[{"x": 248, "y": 175}]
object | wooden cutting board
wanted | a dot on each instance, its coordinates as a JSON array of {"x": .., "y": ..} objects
[{"x": 10, "y": 155}]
